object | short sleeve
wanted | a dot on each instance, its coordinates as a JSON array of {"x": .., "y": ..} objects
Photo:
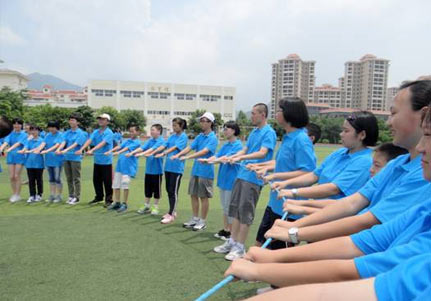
[
  {"x": 269, "y": 140},
  {"x": 108, "y": 136},
  {"x": 354, "y": 176},
  {"x": 305, "y": 159},
  {"x": 146, "y": 145},
  {"x": 195, "y": 143},
  {"x": 82, "y": 138},
  {"x": 181, "y": 142},
  {"x": 212, "y": 144},
  {"x": 158, "y": 143},
  {"x": 93, "y": 135}
]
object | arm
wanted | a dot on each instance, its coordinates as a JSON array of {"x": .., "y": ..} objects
[
  {"x": 300, "y": 209},
  {"x": 13, "y": 147},
  {"x": 99, "y": 146},
  {"x": 121, "y": 150},
  {"x": 252, "y": 156},
  {"x": 196, "y": 155},
  {"x": 86, "y": 144},
  {"x": 312, "y": 203},
  {"x": 182, "y": 153},
  {"x": 313, "y": 192},
  {"x": 286, "y": 175},
  {"x": 73, "y": 145},
  {"x": 307, "y": 179},
  {"x": 2, "y": 147},
  {"x": 112, "y": 150}
]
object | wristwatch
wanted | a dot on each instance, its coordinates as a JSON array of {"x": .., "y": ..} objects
[
  {"x": 293, "y": 234},
  {"x": 294, "y": 192}
]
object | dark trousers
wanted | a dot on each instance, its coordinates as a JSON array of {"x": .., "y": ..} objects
[
  {"x": 173, "y": 181},
  {"x": 102, "y": 177},
  {"x": 35, "y": 181}
]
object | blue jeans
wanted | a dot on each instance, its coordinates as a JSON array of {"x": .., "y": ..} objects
[{"x": 54, "y": 174}]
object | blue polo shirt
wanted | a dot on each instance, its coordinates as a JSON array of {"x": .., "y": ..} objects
[
  {"x": 180, "y": 142},
  {"x": 390, "y": 243},
  {"x": 51, "y": 159},
  {"x": 34, "y": 160},
  {"x": 77, "y": 136},
  {"x": 349, "y": 172},
  {"x": 13, "y": 157},
  {"x": 227, "y": 172},
  {"x": 201, "y": 142},
  {"x": 154, "y": 166},
  {"x": 296, "y": 152},
  {"x": 117, "y": 138},
  {"x": 258, "y": 138},
  {"x": 396, "y": 188},
  {"x": 97, "y": 137},
  {"x": 128, "y": 165}
]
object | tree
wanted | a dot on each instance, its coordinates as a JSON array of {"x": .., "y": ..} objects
[
  {"x": 88, "y": 118},
  {"x": 277, "y": 128},
  {"x": 11, "y": 103},
  {"x": 244, "y": 124},
  {"x": 42, "y": 114},
  {"x": 133, "y": 117}
]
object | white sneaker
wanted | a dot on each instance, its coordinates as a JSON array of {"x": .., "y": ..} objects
[
  {"x": 200, "y": 225},
  {"x": 14, "y": 198},
  {"x": 69, "y": 200},
  {"x": 73, "y": 201},
  {"x": 31, "y": 200},
  {"x": 235, "y": 253},
  {"x": 264, "y": 290},
  {"x": 191, "y": 223},
  {"x": 224, "y": 248},
  {"x": 57, "y": 199},
  {"x": 38, "y": 198}
]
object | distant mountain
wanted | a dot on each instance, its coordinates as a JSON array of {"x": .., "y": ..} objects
[{"x": 37, "y": 81}]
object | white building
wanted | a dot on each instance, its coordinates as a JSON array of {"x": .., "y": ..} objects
[
  {"x": 161, "y": 102},
  {"x": 13, "y": 79},
  {"x": 328, "y": 94}
]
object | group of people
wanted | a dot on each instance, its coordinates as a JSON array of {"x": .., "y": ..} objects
[{"x": 365, "y": 211}]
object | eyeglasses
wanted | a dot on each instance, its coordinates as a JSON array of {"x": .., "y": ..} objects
[{"x": 204, "y": 120}]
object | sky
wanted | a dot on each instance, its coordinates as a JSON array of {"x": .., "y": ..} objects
[{"x": 221, "y": 42}]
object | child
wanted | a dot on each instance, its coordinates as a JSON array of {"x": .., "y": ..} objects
[
  {"x": 227, "y": 173},
  {"x": 34, "y": 164},
  {"x": 201, "y": 180},
  {"x": 153, "y": 170},
  {"x": 126, "y": 168},
  {"x": 174, "y": 168}
]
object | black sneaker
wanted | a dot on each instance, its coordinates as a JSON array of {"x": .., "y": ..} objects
[
  {"x": 222, "y": 234},
  {"x": 94, "y": 202},
  {"x": 114, "y": 206},
  {"x": 107, "y": 204}
]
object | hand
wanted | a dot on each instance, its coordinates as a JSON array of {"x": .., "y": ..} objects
[
  {"x": 278, "y": 185},
  {"x": 203, "y": 161},
  {"x": 278, "y": 233},
  {"x": 44, "y": 152},
  {"x": 138, "y": 155},
  {"x": 250, "y": 166},
  {"x": 147, "y": 155},
  {"x": 243, "y": 269},
  {"x": 261, "y": 172},
  {"x": 259, "y": 255},
  {"x": 115, "y": 153},
  {"x": 78, "y": 152},
  {"x": 89, "y": 153},
  {"x": 183, "y": 158},
  {"x": 36, "y": 151},
  {"x": 19, "y": 152},
  {"x": 159, "y": 155},
  {"x": 268, "y": 178},
  {"x": 174, "y": 157},
  {"x": 107, "y": 153},
  {"x": 223, "y": 160},
  {"x": 293, "y": 208},
  {"x": 234, "y": 160},
  {"x": 286, "y": 193}
]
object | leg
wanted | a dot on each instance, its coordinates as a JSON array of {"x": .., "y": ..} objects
[
  {"x": 12, "y": 179},
  {"x": 116, "y": 195},
  {"x": 243, "y": 232},
  {"x": 69, "y": 177},
  {"x": 125, "y": 195},
  {"x": 205, "y": 208},
  {"x": 39, "y": 181},
  {"x": 76, "y": 174},
  {"x": 195, "y": 205},
  {"x": 235, "y": 229},
  {"x": 59, "y": 186},
  {"x": 158, "y": 192},
  {"x": 107, "y": 182},
  {"x": 98, "y": 181},
  {"x": 31, "y": 181}
]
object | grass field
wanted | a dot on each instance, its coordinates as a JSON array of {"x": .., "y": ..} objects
[{"x": 58, "y": 252}]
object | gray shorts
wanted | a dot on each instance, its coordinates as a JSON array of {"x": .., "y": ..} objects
[
  {"x": 201, "y": 187},
  {"x": 225, "y": 196},
  {"x": 243, "y": 201}
]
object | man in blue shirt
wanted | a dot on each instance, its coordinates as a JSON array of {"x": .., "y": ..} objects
[
  {"x": 102, "y": 139},
  {"x": 201, "y": 180},
  {"x": 246, "y": 190},
  {"x": 74, "y": 139}
]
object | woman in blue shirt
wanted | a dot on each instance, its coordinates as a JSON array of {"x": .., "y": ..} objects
[
  {"x": 15, "y": 161},
  {"x": 201, "y": 180},
  {"x": 34, "y": 164},
  {"x": 343, "y": 172}
]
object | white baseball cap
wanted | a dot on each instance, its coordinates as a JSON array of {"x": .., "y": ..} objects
[
  {"x": 208, "y": 115},
  {"x": 104, "y": 116}
]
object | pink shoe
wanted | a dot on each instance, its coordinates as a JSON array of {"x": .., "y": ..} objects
[
  {"x": 165, "y": 216},
  {"x": 168, "y": 219}
]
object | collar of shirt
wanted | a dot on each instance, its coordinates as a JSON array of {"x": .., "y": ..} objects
[
  {"x": 293, "y": 134},
  {"x": 409, "y": 165},
  {"x": 358, "y": 153}
]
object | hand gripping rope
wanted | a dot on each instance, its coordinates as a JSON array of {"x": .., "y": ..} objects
[{"x": 229, "y": 278}]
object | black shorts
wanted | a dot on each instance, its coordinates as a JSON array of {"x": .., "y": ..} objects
[
  {"x": 153, "y": 184},
  {"x": 268, "y": 220}
]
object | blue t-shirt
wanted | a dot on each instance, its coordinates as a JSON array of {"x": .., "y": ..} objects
[
  {"x": 296, "y": 152},
  {"x": 388, "y": 244},
  {"x": 410, "y": 280},
  {"x": 258, "y": 138},
  {"x": 227, "y": 172},
  {"x": 180, "y": 142},
  {"x": 117, "y": 138},
  {"x": 128, "y": 165},
  {"x": 34, "y": 160},
  {"x": 349, "y": 172},
  {"x": 154, "y": 166},
  {"x": 77, "y": 136},
  {"x": 396, "y": 188},
  {"x": 97, "y": 137},
  {"x": 201, "y": 142},
  {"x": 51, "y": 159},
  {"x": 13, "y": 157}
]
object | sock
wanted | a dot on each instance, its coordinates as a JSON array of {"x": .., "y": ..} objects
[
  {"x": 240, "y": 245},
  {"x": 202, "y": 220},
  {"x": 125, "y": 204},
  {"x": 195, "y": 218},
  {"x": 231, "y": 241}
]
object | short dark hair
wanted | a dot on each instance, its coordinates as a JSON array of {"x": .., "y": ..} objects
[
  {"x": 5, "y": 126},
  {"x": 35, "y": 127},
  {"x": 137, "y": 128},
  {"x": 234, "y": 126},
  {"x": 294, "y": 111},
  {"x": 77, "y": 116},
  {"x": 181, "y": 122},
  {"x": 262, "y": 108},
  {"x": 159, "y": 127},
  {"x": 365, "y": 121},
  {"x": 18, "y": 120},
  {"x": 54, "y": 124},
  {"x": 426, "y": 118},
  {"x": 390, "y": 150},
  {"x": 315, "y": 131},
  {"x": 420, "y": 93}
]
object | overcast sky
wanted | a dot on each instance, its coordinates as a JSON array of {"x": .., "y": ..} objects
[{"x": 211, "y": 42}]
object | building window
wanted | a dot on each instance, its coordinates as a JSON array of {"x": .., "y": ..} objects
[
  {"x": 154, "y": 95},
  {"x": 151, "y": 112},
  {"x": 210, "y": 97},
  {"x": 164, "y": 95},
  {"x": 126, "y": 93},
  {"x": 228, "y": 97}
]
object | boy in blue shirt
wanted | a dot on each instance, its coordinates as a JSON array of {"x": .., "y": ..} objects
[
  {"x": 102, "y": 139},
  {"x": 126, "y": 168},
  {"x": 153, "y": 170},
  {"x": 246, "y": 190},
  {"x": 34, "y": 164},
  {"x": 201, "y": 180},
  {"x": 227, "y": 173}
]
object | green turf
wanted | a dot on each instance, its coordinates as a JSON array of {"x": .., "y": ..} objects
[{"x": 58, "y": 252}]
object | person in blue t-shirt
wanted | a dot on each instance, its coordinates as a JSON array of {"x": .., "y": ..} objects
[
  {"x": 174, "y": 168},
  {"x": 399, "y": 186},
  {"x": 15, "y": 161},
  {"x": 153, "y": 169},
  {"x": 102, "y": 141},
  {"x": 202, "y": 176},
  {"x": 247, "y": 187},
  {"x": 127, "y": 167},
  {"x": 53, "y": 162},
  {"x": 227, "y": 173},
  {"x": 34, "y": 164},
  {"x": 74, "y": 139}
]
